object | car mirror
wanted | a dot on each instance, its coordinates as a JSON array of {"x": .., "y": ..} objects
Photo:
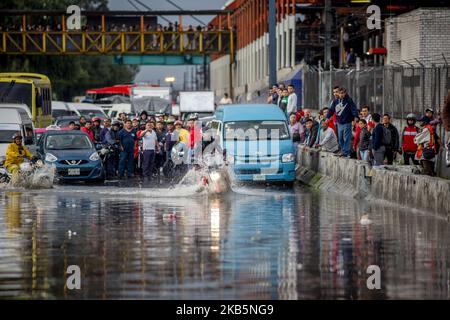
[{"x": 98, "y": 147}]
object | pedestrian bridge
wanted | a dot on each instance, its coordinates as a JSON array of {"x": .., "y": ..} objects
[{"x": 145, "y": 44}]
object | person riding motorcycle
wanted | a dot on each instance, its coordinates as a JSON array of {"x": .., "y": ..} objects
[
  {"x": 15, "y": 154},
  {"x": 111, "y": 141},
  {"x": 97, "y": 129}
]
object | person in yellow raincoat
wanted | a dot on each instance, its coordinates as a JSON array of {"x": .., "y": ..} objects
[
  {"x": 15, "y": 154},
  {"x": 183, "y": 133}
]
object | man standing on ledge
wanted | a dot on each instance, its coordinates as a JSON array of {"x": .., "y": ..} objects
[
  {"x": 292, "y": 101},
  {"x": 346, "y": 112}
]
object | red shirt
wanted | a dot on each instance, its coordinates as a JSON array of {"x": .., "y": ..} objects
[
  {"x": 89, "y": 132},
  {"x": 408, "y": 135}
]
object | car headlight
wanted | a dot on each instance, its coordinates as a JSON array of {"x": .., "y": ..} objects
[
  {"x": 94, "y": 157},
  {"x": 288, "y": 157},
  {"x": 50, "y": 158}
]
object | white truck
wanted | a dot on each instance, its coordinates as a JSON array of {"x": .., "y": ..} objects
[
  {"x": 152, "y": 99},
  {"x": 198, "y": 102}
]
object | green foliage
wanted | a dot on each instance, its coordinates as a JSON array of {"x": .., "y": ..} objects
[{"x": 70, "y": 75}]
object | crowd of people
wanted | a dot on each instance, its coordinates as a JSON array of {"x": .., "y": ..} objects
[
  {"x": 138, "y": 146},
  {"x": 350, "y": 132}
]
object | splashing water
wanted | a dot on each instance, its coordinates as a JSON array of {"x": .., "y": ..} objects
[{"x": 38, "y": 178}]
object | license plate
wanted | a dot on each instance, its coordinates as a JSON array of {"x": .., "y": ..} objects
[
  {"x": 259, "y": 177},
  {"x": 74, "y": 172}
]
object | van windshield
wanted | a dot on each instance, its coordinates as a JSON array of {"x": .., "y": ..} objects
[
  {"x": 6, "y": 135},
  {"x": 92, "y": 113},
  {"x": 61, "y": 113},
  {"x": 256, "y": 130}
]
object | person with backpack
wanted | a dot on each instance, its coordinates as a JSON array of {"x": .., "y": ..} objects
[
  {"x": 426, "y": 150},
  {"x": 390, "y": 139},
  {"x": 378, "y": 148},
  {"x": 409, "y": 148}
]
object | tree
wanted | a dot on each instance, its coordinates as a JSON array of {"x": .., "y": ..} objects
[{"x": 70, "y": 75}]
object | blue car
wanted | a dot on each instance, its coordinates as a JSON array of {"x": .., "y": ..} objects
[
  {"x": 257, "y": 142},
  {"x": 73, "y": 154}
]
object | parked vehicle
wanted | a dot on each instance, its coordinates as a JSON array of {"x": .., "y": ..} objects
[
  {"x": 14, "y": 120},
  {"x": 63, "y": 122},
  {"x": 87, "y": 110},
  {"x": 256, "y": 141},
  {"x": 116, "y": 109},
  {"x": 60, "y": 109},
  {"x": 31, "y": 89},
  {"x": 17, "y": 106},
  {"x": 73, "y": 155}
]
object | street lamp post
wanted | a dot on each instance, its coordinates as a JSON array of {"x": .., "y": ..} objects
[{"x": 170, "y": 80}]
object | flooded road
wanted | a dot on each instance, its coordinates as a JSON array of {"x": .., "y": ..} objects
[{"x": 248, "y": 244}]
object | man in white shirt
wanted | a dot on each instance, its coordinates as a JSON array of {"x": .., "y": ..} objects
[
  {"x": 149, "y": 146},
  {"x": 226, "y": 99},
  {"x": 328, "y": 140},
  {"x": 292, "y": 100}
]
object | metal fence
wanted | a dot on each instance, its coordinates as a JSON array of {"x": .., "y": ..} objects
[{"x": 394, "y": 90}]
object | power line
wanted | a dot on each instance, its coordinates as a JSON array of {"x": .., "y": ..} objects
[
  {"x": 135, "y": 7},
  {"x": 150, "y": 9},
  {"x": 180, "y": 8}
]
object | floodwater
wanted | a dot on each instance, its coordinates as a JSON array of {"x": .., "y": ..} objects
[{"x": 253, "y": 243}]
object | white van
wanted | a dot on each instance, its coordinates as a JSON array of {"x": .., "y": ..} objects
[
  {"x": 12, "y": 121},
  {"x": 60, "y": 109},
  {"x": 21, "y": 106},
  {"x": 87, "y": 110},
  {"x": 118, "y": 109}
]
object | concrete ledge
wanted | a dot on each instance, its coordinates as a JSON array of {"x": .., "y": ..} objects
[{"x": 398, "y": 184}]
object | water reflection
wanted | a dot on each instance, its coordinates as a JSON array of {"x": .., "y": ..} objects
[{"x": 253, "y": 245}]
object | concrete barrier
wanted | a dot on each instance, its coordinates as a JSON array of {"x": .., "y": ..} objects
[{"x": 398, "y": 184}]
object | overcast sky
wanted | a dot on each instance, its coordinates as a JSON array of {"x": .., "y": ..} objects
[{"x": 155, "y": 73}]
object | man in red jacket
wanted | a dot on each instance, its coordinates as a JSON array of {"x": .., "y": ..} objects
[
  {"x": 88, "y": 130},
  {"x": 409, "y": 148}
]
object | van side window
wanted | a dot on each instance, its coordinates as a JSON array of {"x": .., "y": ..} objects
[{"x": 29, "y": 133}]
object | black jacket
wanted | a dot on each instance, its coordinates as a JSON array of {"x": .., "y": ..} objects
[
  {"x": 395, "y": 138},
  {"x": 311, "y": 136},
  {"x": 364, "y": 139}
]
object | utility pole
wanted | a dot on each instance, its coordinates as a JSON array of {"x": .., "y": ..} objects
[
  {"x": 328, "y": 22},
  {"x": 272, "y": 43}
]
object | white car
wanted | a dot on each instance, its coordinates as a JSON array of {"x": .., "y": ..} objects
[
  {"x": 118, "y": 108},
  {"x": 87, "y": 110},
  {"x": 60, "y": 109}
]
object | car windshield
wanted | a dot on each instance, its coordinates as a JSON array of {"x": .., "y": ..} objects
[
  {"x": 65, "y": 122},
  {"x": 256, "y": 130},
  {"x": 6, "y": 135},
  {"x": 92, "y": 113},
  {"x": 67, "y": 142},
  {"x": 60, "y": 113}
]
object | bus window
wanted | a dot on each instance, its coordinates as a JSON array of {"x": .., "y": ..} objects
[{"x": 16, "y": 92}]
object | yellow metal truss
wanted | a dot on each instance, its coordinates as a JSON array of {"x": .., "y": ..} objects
[{"x": 94, "y": 43}]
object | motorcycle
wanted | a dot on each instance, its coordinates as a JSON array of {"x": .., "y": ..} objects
[
  {"x": 176, "y": 164},
  {"x": 31, "y": 174}
]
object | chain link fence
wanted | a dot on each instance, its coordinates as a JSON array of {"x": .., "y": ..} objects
[{"x": 396, "y": 90}]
